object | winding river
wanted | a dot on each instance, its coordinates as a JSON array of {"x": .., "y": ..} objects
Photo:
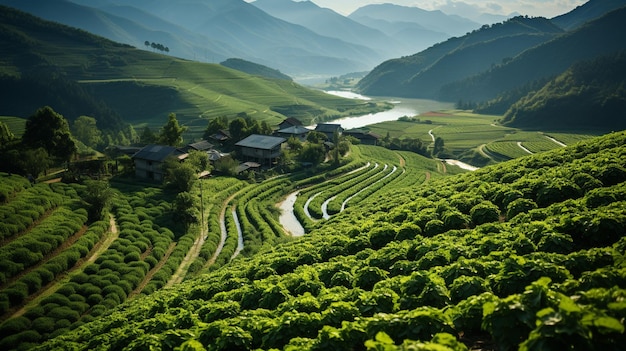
[{"x": 402, "y": 107}]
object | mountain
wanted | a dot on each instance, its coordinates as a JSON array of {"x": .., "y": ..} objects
[
  {"x": 331, "y": 24},
  {"x": 211, "y": 31},
  {"x": 78, "y": 73},
  {"x": 254, "y": 69},
  {"x": 423, "y": 74},
  {"x": 434, "y": 21},
  {"x": 594, "y": 39},
  {"x": 590, "y": 10},
  {"x": 589, "y": 95},
  {"x": 129, "y": 25}
]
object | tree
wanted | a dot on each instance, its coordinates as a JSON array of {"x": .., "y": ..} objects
[
  {"x": 316, "y": 137},
  {"x": 238, "y": 128},
  {"x": 85, "y": 130},
  {"x": 179, "y": 176},
  {"x": 146, "y": 43},
  {"x": 34, "y": 161},
  {"x": 294, "y": 144},
  {"x": 172, "y": 133},
  {"x": 147, "y": 136},
  {"x": 185, "y": 210},
  {"x": 49, "y": 130},
  {"x": 199, "y": 160},
  {"x": 98, "y": 195},
  {"x": 215, "y": 125},
  {"x": 313, "y": 153}
]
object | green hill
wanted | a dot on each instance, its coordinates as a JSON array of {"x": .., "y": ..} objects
[
  {"x": 79, "y": 73},
  {"x": 423, "y": 74},
  {"x": 254, "y": 69},
  {"x": 526, "y": 254},
  {"x": 594, "y": 39},
  {"x": 589, "y": 95}
]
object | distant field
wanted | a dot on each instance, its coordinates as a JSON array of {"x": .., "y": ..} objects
[
  {"x": 463, "y": 131},
  {"x": 16, "y": 125}
]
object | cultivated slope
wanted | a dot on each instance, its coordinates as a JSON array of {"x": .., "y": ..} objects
[
  {"x": 64, "y": 66},
  {"x": 529, "y": 253}
]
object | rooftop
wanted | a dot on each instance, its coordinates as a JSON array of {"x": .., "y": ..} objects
[
  {"x": 157, "y": 152},
  {"x": 263, "y": 142}
]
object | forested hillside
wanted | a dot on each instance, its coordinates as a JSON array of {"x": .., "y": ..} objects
[
  {"x": 589, "y": 95},
  {"x": 594, "y": 39},
  {"x": 528, "y": 254},
  {"x": 419, "y": 75}
]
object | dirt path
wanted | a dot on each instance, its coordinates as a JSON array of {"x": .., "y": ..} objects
[
  {"x": 556, "y": 141},
  {"x": 100, "y": 247},
  {"x": 519, "y": 143},
  {"x": 223, "y": 231},
  {"x": 152, "y": 272}
]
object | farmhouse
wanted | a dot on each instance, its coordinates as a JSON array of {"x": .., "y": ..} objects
[
  {"x": 329, "y": 129},
  {"x": 289, "y": 122},
  {"x": 149, "y": 161},
  {"x": 365, "y": 137},
  {"x": 263, "y": 149},
  {"x": 221, "y": 137},
  {"x": 201, "y": 145},
  {"x": 298, "y": 132}
]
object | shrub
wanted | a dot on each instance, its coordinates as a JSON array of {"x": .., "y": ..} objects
[
  {"x": 519, "y": 206},
  {"x": 485, "y": 212}
]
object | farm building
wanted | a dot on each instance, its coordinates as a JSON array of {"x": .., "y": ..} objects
[
  {"x": 365, "y": 137},
  {"x": 149, "y": 161},
  {"x": 263, "y": 149},
  {"x": 201, "y": 145},
  {"x": 298, "y": 132},
  {"x": 221, "y": 137},
  {"x": 329, "y": 129},
  {"x": 289, "y": 122}
]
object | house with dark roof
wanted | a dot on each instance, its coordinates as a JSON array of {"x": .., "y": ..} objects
[
  {"x": 329, "y": 129},
  {"x": 222, "y": 136},
  {"x": 150, "y": 159},
  {"x": 201, "y": 145},
  {"x": 298, "y": 132},
  {"x": 264, "y": 149},
  {"x": 364, "y": 136},
  {"x": 289, "y": 122}
]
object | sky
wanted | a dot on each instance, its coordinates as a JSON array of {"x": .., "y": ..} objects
[{"x": 466, "y": 8}]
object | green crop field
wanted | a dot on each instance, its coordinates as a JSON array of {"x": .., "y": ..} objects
[
  {"x": 463, "y": 132},
  {"x": 16, "y": 125}
]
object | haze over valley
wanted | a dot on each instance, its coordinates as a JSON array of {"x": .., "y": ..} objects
[{"x": 218, "y": 175}]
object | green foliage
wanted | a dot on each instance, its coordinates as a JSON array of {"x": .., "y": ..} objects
[{"x": 49, "y": 130}]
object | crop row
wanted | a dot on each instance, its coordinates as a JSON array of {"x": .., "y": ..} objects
[
  {"x": 506, "y": 149},
  {"x": 28, "y": 250},
  {"x": 389, "y": 180},
  {"x": 27, "y": 206},
  {"x": 215, "y": 192},
  {"x": 108, "y": 281},
  {"x": 328, "y": 189},
  {"x": 11, "y": 185},
  {"x": 340, "y": 201},
  {"x": 34, "y": 280}
]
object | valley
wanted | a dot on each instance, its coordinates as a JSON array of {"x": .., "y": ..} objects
[{"x": 167, "y": 182}]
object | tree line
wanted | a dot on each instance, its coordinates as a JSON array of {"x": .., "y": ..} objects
[{"x": 156, "y": 46}]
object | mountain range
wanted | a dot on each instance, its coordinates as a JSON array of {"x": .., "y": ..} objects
[
  {"x": 498, "y": 64},
  {"x": 297, "y": 38}
]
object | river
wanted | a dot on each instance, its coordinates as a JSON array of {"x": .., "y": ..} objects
[{"x": 402, "y": 107}]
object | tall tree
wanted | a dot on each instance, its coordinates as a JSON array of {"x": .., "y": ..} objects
[
  {"x": 147, "y": 136},
  {"x": 98, "y": 196},
  {"x": 172, "y": 133},
  {"x": 85, "y": 129},
  {"x": 49, "y": 130},
  {"x": 215, "y": 125}
]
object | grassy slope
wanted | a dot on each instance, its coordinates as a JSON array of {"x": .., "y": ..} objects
[
  {"x": 16, "y": 125},
  {"x": 367, "y": 270},
  {"x": 144, "y": 87},
  {"x": 463, "y": 131}
]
